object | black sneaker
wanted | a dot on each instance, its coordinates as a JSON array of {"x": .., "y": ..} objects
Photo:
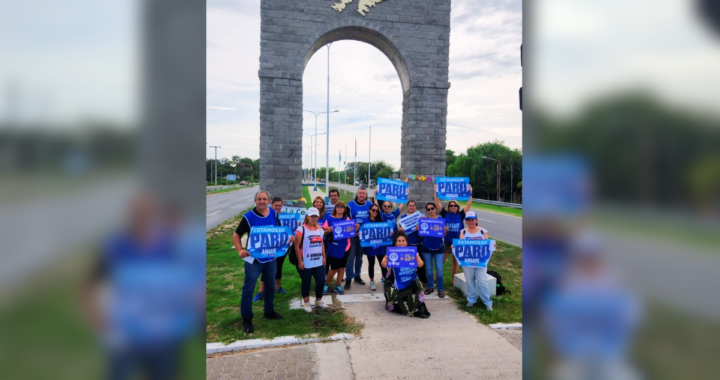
[
  {"x": 359, "y": 281},
  {"x": 248, "y": 326},
  {"x": 347, "y": 284},
  {"x": 272, "y": 315}
]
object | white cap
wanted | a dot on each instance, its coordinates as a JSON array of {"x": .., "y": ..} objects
[
  {"x": 313, "y": 211},
  {"x": 470, "y": 215}
]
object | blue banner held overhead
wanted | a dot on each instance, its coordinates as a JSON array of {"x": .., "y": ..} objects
[
  {"x": 290, "y": 220},
  {"x": 453, "y": 188},
  {"x": 375, "y": 234},
  {"x": 432, "y": 227},
  {"x": 268, "y": 242},
  {"x": 473, "y": 253},
  {"x": 392, "y": 190},
  {"x": 344, "y": 230},
  {"x": 402, "y": 257}
]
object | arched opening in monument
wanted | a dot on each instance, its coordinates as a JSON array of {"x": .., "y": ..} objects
[{"x": 367, "y": 82}]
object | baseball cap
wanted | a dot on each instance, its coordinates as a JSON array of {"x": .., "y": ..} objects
[
  {"x": 470, "y": 215},
  {"x": 313, "y": 211}
]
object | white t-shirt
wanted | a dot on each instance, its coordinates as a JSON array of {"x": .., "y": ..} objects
[{"x": 312, "y": 246}]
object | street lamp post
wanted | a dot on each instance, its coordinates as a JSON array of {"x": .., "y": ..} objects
[
  {"x": 499, "y": 167},
  {"x": 311, "y": 156},
  {"x": 327, "y": 170}
]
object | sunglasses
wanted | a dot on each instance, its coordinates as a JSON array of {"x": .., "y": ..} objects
[
  {"x": 430, "y": 209},
  {"x": 374, "y": 210},
  {"x": 387, "y": 206},
  {"x": 339, "y": 206},
  {"x": 453, "y": 206}
]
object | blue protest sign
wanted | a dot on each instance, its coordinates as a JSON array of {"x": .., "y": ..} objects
[
  {"x": 453, "y": 188},
  {"x": 473, "y": 253},
  {"x": 392, "y": 190},
  {"x": 268, "y": 242},
  {"x": 410, "y": 222},
  {"x": 291, "y": 221},
  {"x": 375, "y": 234},
  {"x": 402, "y": 257},
  {"x": 432, "y": 227},
  {"x": 344, "y": 230}
]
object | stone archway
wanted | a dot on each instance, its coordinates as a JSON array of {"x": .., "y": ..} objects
[{"x": 413, "y": 34}]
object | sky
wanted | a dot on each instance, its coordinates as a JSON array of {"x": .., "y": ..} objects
[{"x": 485, "y": 75}]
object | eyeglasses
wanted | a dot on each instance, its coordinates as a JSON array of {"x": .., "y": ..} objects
[{"x": 339, "y": 206}]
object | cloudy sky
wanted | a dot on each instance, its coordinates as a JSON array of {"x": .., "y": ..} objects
[{"x": 485, "y": 73}]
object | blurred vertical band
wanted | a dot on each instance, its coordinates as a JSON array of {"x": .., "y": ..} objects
[
  {"x": 102, "y": 124},
  {"x": 622, "y": 189}
]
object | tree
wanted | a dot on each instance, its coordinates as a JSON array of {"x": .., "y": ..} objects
[
  {"x": 483, "y": 172},
  {"x": 449, "y": 159}
]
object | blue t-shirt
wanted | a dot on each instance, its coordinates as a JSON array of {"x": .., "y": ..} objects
[
  {"x": 392, "y": 218},
  {"x": 360, "y": 213},
  {"x": 337, "y": 247},
  {"x": 454, "y": 223}
]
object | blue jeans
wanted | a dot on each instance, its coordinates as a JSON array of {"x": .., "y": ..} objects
[
  {"x": 437, "y": 260},
  {"x": 477, "y": 285},
  {"x": 356, "y": 255},
  {"x": 252, "y": 272}
]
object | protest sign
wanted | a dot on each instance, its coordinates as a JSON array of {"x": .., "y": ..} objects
[
  {"x": 453, "y": 188},
  {"x": 344, "y": 230},
  {"x": 268, "y": 242},
  {"x": 473, "y": 253},
  {"x": 294, "y": 210},
  {"x": 291, "y": 220},
  {"x": 375, "y": 234},
  {"x": 432, "y": 227},
  {"x": 409, "y": 222},
  {"x": 392, "y": 190},
  {"x": 402, "y": 257}
]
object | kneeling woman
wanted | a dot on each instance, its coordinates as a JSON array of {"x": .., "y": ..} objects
[{"x": 403, "y": 290}]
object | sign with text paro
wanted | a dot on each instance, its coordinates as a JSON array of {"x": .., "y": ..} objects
[
  {"x": 473, "y": 253},
  {"x": 267, "y": 242},
  {"x": 392, "y": 190},
  {"x": 453, "y": 188},
  {"x": 375, "y": 234}
]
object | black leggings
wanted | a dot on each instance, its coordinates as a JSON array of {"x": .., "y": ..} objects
[
  {"x": 371, "y": 265},
  {"x": 306, "y": 275}
]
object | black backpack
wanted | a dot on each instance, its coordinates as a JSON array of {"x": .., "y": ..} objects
[
  {"x": 499, "y": 288},
  {"x": 291, "y": 252}
]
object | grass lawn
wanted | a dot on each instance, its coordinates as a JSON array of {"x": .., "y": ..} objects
[
  {"x": 502, "y": 210},
  {"x": 507, "y": 261},
  {"x": 225, "y": 276},
  {"x": 306, "y": 195},
  {"x": 226, "y": 190}
]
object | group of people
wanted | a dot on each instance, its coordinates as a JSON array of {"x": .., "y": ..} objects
[{"x": 316, "y": 254}]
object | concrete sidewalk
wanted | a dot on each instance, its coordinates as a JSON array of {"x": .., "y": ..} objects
[{"x": 451, "y": 344}]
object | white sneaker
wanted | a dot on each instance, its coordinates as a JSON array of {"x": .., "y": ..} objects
[
  {"x": 320, "y": 304},
  {"x": 488, "y": 308},
  {"x": 372, "y": 286}
]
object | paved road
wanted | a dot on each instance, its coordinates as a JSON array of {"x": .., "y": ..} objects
[
  {"x": 221, "y": 207},
  {"x": 503, "y": 227}
]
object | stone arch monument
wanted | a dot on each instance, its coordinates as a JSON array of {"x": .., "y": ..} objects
[{"x": 413, "y": 34}]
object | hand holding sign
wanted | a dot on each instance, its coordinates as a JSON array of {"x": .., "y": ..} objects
[
  {"x": 391, "y": 190},
  {"x": 473, "y": 253},
  {"x": 268, "y": 242},
  {"x": 432, "y": 227},
  {"x": 402, "y": 257},
  {"x": 453, "y": 188},
  {"x": 343, "y": 230}
]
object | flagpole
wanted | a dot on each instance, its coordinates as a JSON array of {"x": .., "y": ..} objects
[
  {"x": 345, "y": 168},
  {"x": 369, "y": 160}
]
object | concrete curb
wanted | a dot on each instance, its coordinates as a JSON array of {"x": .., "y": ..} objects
[
  {"x": 240, "y": 345},
  {"x": 506, "y": 326}
]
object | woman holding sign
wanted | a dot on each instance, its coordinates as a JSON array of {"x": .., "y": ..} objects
[
  {"x": 310, "y": 252},
  {"x": 339, "y": 249},
  {"x": 476, "y": 277},
  {"x": 432, "y": 249},
  {"x": 454, "y": 217},
  {"x": 412, "y": 232},
  {"x": 359, "y": 211},
  {"x": 378, "y": 251},
  {"x": 403, "y": 291}
]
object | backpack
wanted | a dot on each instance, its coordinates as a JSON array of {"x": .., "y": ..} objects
[
  {"x": 500, "y": 288},
  {"x": 293, "y": 256}
]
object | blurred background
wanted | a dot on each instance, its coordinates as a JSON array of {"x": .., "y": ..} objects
[
  {"x": 102, "y": 125},
  {"x": 622, "y": 189}
]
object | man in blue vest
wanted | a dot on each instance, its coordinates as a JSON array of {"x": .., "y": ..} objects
[{"x": 261, "y": 215}]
